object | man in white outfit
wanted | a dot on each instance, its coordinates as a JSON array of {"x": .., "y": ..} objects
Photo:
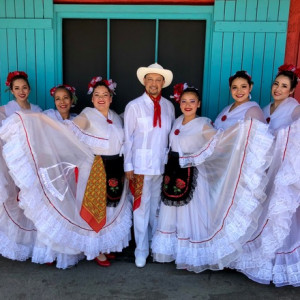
[{"x": 147, "y": 122}]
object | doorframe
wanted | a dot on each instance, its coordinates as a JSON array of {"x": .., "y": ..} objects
[{"x": 136, "y": 12}]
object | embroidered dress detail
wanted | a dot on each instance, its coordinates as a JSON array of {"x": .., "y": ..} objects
[
  {"x": 93, "y": 209},
  {"x": 177, "y": 131},
  {"x": 136, "y": 188},
  {"x": 178, "y": 183},
  {"x": 114, "y": 179},
  {"x": 109, "y": 121},
  {"x": 224, "y": 118}
]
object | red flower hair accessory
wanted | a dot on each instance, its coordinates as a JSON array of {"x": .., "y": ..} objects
[
  {"x": 290, "y": 68},
  {"x": 68, "y": 87},
  {"x": 12, "y": 75},
  {"x": 178, "y": 89},
  {"x": 108, "y": 82}
]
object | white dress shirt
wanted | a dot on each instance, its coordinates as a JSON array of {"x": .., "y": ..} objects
[{"x": 146, "y": 147}]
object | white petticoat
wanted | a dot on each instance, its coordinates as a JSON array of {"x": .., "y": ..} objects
[{"x": 61, "y": 230}]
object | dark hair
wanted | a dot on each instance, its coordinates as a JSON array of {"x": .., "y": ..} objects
[
  {"x": 291, "y": 76},
  {"x": 102, "y": 83},
  {"x": 191, "y": 90},
  {"x": 62, "y": 87},
  {"x": 18, "y": 77},
  {"x": 241, "y": 74}
]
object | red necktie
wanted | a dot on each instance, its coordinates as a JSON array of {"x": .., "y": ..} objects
[{"x": 157, "y": 110}]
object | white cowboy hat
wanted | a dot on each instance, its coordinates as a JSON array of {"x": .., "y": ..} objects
[{"x": 157, "y": 69}]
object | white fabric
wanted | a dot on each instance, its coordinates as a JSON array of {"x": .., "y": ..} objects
[
  {"x": 283, "y": 115},
  {"x": 17, "y": 233},
  {"x": 13, "y": 106},
  {"x": 272, "y": 253},
  {"x": 146, "y": 147},
  {"x": 102, "y": 137},
  {"x": 55, "y": 151},
  {"x": 238, "y": 114},
  {"x": 55, "y": 115},
  {"x": 145, "y": 217},
  {"x": 210, "y": 230}
]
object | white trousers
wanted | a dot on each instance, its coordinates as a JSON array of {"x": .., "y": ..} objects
[{"x": 145, "y": 217}]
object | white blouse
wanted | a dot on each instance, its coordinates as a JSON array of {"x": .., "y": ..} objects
[
  {"x": 55, "y": 115},
  {"x": 283, "y": 114},
  {"x": 228, "y": 118},
  {"x": 13, "y": 106},
  {"x": 105, "y": 136},
  {"x": 187, "y": 139}
]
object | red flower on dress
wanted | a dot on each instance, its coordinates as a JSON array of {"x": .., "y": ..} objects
[
  {"x": 224, "y": 118},
  {"x": 11, "y": 76},
  {"x": 180, "y": 183},
  {"x": 109, "y": 121},
  {"x": 166, "y": 180},
  {"x": 113, "y": 182},
  {"x": 268, "y": 120},
  {"x": 177, "y": 131}
]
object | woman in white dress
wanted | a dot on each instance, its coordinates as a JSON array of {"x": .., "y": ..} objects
[
  {"x": 17, "y": 233},
  {"x": 242, "y": 109},
  {"x": 208, "y": 208},
  {"x": 64, "y": 98},
  {"x": 18, "y": 84},
  {"x": 272, "y": 254},
  {"x": 82, "y": 206}
]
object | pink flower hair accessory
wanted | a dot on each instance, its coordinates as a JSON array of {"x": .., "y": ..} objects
[
  {"x": 12, "y": 75},
  {"x": 108, "y": 82},
  {"x": 291, "y": 68},
  {"x": 178, "y": 89}
]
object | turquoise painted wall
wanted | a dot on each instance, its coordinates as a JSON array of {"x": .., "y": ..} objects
[{"x": 241, "y": 34}]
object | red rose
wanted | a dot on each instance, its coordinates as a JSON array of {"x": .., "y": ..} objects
[
  {"x": 176, "y": 132},
  {"x": 113, "y": 182},
  {"x": 180, "y": 183},
  {"x": 224, "y": 118},
  {"x": 268, "y": 120},
  {"x": 166, "y": 180},
  {"x": 11, "y": 76}
]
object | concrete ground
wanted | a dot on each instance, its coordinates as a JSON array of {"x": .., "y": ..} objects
[{"x": 122, "y": 280}]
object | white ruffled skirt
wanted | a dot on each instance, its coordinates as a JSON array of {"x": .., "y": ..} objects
[
  {"x": 209, "y": 232},
  {"x": 42, "y": 155},
  {"x": 272, "y": 253}
]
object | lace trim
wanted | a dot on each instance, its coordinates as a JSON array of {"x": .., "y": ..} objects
[
  {"x": 113, "y": 237},
  {"x": 200, "y": 156},
  {"x": 224, "y": 246},
  {"x": 87, "y": 138},
  {"x": 283, "y": 203}
]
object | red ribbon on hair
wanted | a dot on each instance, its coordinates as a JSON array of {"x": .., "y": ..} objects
[{"x": 157, "y": 110}]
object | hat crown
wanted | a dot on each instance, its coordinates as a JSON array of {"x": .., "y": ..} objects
[{"x": 156, "y": 66}]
